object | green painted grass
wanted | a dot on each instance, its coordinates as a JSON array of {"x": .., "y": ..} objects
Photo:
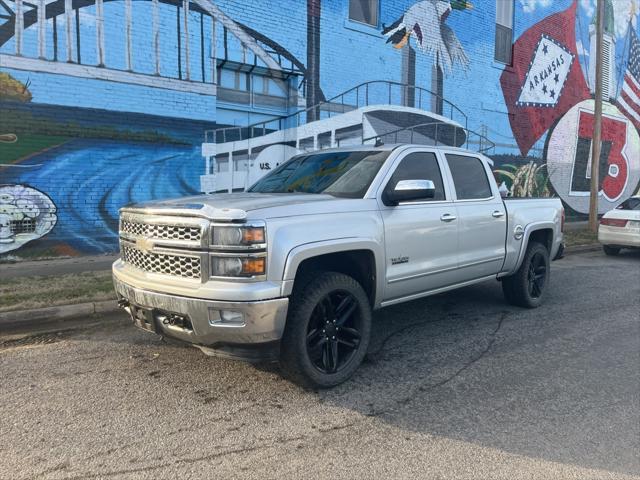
[{"x": 28, "y": 144}]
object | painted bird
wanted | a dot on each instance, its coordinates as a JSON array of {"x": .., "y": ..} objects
[{"x": 425, "y": 20}]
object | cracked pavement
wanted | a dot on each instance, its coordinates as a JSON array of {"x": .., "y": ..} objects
[{"x": 458, "y": 386}]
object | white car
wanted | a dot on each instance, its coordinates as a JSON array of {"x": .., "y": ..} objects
[{"x": 620, "y": 228}]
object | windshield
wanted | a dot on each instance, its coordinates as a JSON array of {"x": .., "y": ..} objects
[
  {"x": 342, "y": 174},
  {"x": 632, "y": 203}
]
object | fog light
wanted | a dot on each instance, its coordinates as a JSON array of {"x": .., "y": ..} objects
[
  {"x": 226, "y": 318},
  {"x": 230, "y": 316}
]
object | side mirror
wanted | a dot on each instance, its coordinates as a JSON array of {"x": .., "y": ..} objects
[{"x": 409, "y": 190}]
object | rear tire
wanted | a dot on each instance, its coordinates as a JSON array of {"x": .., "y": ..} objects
[
  {"x": 609, "y": 250},
  {"x": 527, "y": 286},
  {"x": 327, "y": 332}
]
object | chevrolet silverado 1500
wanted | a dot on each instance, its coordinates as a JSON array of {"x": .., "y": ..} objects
[{"x": 292, "y": 268}]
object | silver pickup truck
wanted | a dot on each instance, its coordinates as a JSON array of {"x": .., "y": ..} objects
[{"x": 291, "y": 269}]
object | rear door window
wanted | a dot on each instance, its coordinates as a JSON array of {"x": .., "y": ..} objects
[{"x": 469, "y": 177}]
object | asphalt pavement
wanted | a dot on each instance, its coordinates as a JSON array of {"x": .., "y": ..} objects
[{"x": 456, "y": 386}]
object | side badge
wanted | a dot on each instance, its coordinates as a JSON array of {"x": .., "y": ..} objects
[{"x": 398, "y": 260}]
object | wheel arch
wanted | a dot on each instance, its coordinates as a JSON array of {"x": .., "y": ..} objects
[
  {"x": 361, "y": 259},
  {"x": 541, "y": 232}
]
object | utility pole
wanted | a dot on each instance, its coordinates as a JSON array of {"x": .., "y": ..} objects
[{"x": 597, "y": 125}]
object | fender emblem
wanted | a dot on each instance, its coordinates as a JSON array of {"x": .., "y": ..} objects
[{"x": 518, "y": 232}]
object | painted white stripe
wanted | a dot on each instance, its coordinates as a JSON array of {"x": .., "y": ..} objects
[
  {"x": 68, "y": 20},
  {"x": 156, "y": 34},
  {"x": 127, "y": 17},
  {"x": 187, "y": 60},
  {"x": 629, "y": 91},
  {"x": 42, "y": 25},
  {"x": 214, "y": 61},
  {"x": 19, "y": 27},
  {"x": 628, "y": 110},
  {"x": 97, "y": 73},
  {"x": 629, "y": 77},
  {"x": 100, "y": 32}
]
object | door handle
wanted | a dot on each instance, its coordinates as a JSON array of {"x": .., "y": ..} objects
[
  {"x": 447, "y": 217},
  {"x": 497, "y": 214}
]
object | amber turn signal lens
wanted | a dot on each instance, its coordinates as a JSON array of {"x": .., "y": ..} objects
[
  {"x": 253, "y": 266},
  {"x": 252, "y": 235}
]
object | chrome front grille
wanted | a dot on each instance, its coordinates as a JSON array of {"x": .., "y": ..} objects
[
  {"x": 164, "y": 244},
  {"x": 189, "y": 233},
  {"x": 167, "y": 264}
]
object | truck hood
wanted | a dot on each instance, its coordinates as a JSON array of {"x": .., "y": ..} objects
[{"x": 228, "y": 206}]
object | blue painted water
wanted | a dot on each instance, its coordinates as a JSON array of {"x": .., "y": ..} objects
[{"x": 89, "y": 180}]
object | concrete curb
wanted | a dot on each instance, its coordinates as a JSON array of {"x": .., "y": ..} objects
[{"x": 61, "y": 312}]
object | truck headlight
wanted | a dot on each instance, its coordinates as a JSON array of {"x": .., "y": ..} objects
[
  {"x": 238, "y": 236},
  {"x": 238, "y": 266}
]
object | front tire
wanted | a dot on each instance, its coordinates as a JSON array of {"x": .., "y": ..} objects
[
  {"x": 527, "y": 286},
  {"x": 611, "y": 251},
  {"x": 327, "y": 332}
]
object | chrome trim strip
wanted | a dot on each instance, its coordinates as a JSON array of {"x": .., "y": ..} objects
[
  {"x": 238, "y": 254},
  {"x": 162, "y": 250},
  {"x": 428, "y": 293},
  {"x": 444, "y": 270},
  {"x": 480, "y": 262},
  {"x": 466, "y": 200},
  {"x": 241, "y": 248},
  {"x": 422, "y": 202}
]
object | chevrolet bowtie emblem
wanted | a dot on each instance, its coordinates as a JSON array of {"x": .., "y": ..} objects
[{"x": 145, "y": 244}]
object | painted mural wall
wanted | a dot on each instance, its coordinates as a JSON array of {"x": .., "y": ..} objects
[
  {"x": 549, "y": 96},
  {"x": 106, "y": 102}
]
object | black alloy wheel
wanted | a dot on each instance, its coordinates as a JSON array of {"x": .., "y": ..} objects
[
  {"x": 527, "y": 286},
  {"x": 333, "y": 334},
  {"x": 537, "y": 275},
  {"x": 327, "y": 331}
]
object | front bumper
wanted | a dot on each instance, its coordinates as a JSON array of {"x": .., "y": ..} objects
[{"x": 202, "y": 323}]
